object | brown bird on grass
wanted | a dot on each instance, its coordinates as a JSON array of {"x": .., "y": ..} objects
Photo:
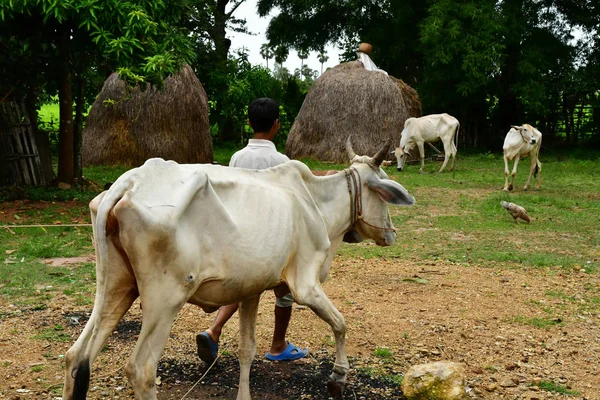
[{"x": 516, "y": 211}]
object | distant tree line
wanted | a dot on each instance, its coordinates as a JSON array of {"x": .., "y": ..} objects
[{"x": 490, "y": 63}]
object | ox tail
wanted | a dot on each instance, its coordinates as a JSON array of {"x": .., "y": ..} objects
[
  {"x": 82, "y": 380},
  {"x": 456, "y": 136},
  {"x": 103, "y": 219},
  {"x": 538, "y": 164}
]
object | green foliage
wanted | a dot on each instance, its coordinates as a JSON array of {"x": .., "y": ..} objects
[
  {"x": 383, "y": 353},
  {"x": 461, "y": 39},
  {"x": 247, "y": 82},
  {"x": 489, "y": 63},
  {"x": 54, "y": 334},
  {"x": 140, "y": 38},
  {"x": 537, "y": 322},
  {"x": 552, "y": 387}
]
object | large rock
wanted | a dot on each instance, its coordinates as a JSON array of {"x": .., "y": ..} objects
[{"x": 442, "y": 380}]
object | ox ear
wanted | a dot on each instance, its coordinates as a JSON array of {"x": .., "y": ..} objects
[{"x": 390, "y": 191}]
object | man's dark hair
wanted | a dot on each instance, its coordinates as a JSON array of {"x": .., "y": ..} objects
[{"x": 262, "y": 114}]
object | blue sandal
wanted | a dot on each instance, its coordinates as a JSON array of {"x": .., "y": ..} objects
[
  {"x": 289, "y": 354},
  {"x": 207, "y": 349}
]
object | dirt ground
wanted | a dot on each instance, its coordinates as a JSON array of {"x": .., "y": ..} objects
[{"x": 474, "y": 314}]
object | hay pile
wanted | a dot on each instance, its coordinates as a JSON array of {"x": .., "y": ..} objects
[
  {"x": 349, "y": 100},
  {"x": 171, "y": 123},
  {"x": 411, "y": 98}
]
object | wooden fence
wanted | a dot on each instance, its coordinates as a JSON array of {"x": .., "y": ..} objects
[{"x": 18, "y": 147}]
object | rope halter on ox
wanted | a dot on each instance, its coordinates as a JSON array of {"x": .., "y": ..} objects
[{"x": 355, "y": 188}]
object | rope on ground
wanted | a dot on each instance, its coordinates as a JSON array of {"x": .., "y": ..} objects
[
  {"x": 41, "y": 226},
  {"x": 206, "y": 372}
]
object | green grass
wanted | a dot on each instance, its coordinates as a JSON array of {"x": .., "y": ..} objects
[
  {"x": 383, "y": 353},
  {"x": 550, "y": 386},
  {"x": 457, "y": 216},
  {"x": 28, "y": 281},
  {"x": 537, "y": 322},
  {"x": 54, "y": 334}
]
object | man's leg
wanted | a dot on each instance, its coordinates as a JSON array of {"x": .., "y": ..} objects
[
  {"x": 282, "y": 320},
  {"x": 280, "y": 348},
  {"x": 223, "y": 315},
  {"x": 208, "y": 341}
]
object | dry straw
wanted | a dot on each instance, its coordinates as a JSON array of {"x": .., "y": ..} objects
[
  {"x": 134, "y": 125},
  {"x": 350, "y": 100}
]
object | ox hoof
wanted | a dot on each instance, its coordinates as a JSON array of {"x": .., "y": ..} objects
[
  {"x": 399, "y": 169},
  {"x": 335, "y": 389}
]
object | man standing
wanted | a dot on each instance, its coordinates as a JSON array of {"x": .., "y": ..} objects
[{"x": 260, "y": 153}]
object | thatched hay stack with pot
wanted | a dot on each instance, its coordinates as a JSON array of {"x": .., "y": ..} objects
[
  {"x": 134, "y": 125},
  {"x": 351, "y": 100}
]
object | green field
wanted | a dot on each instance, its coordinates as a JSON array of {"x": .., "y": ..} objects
[{"x": 457, "y": 218}]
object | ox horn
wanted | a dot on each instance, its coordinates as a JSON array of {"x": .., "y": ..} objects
[
  {"x": 349, "y": 149},
  {"x": 380, "y": 156}
]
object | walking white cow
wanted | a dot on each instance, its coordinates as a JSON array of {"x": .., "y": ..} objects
[
  {"x": 521, "y": 141},
  {"x": 213, "y": 236},
  {"x": 428, "y": 129}
]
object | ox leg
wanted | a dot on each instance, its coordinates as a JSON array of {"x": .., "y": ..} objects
[
  {"x": 247, "y": 346},
  {"x": 422, "y": 154},
  {"x": 506, "y": 173},
  {"x": 453, "y": 154},
  {"x": 447, "y": 152},
  {"x": 315, "y": 298},
  {"x": 532, "y": 167},
  {"x": 513, "y": 173},
  {"x": 162, "y": 301},
  {"x": 115, "y": 293}
]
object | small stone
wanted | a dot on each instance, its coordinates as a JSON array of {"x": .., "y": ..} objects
[
  {"x": 491, "y": 387},
  {"x": 510, "y": 367},
  {"x": 508, "y": 383}
]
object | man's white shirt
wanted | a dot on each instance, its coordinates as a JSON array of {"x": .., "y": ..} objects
[{"x": 258, "y": 154}]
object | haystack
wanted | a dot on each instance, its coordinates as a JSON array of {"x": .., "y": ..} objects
[
  {"x": 170, "y": 122},
  {"x": 350, "y": 100}
]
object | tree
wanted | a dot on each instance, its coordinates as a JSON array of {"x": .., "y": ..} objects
[
  {"x": 392, "y": 27},
  {"x": 460, "y": 49},
  {"x": 64, "y": 41},
  {"x": 266, "y": 52},
  {"x": 322, "y": 58},
  {"x": 306, "y": 74},
  {"x": 208, "y": 26},
  {"x": 302, "y": 55},
  {"x": 281, "y": 54},
  {"x": 491, "y": 63}
]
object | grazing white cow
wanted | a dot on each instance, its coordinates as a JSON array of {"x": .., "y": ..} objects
[
  {"x": 428, "y": 129},
  {"x": 522, "y": 141},
  {"x": 212, "y": 236}
]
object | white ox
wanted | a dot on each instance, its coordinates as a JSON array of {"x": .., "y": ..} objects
[
  {"x": 212, "y": 236},
  {"x": 428, "y": 129},
  {"x": 521, "y": 141}
]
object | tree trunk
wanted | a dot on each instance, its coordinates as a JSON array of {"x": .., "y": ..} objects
[
  {"x": 78, "y": 127},
  {"x": 65, "y": 98},
  {"x": 222, "y": 45},
  {"x": 42, "y": 142}
]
